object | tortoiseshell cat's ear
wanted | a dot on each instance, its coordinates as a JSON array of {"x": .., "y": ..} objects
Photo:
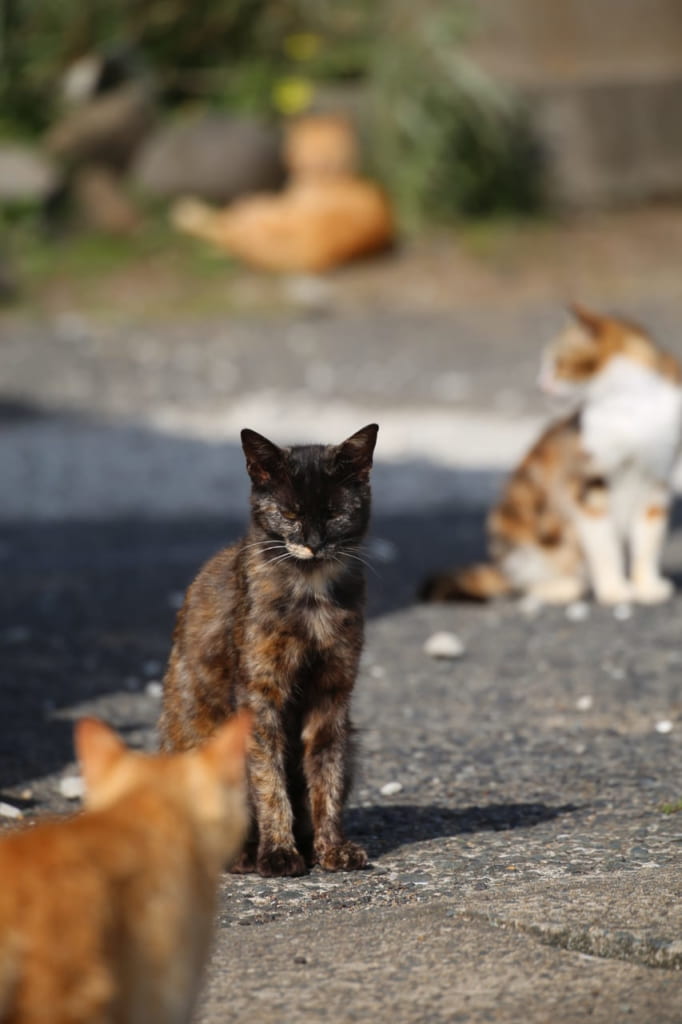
[
  {"x": 592, "y": 322},
  {"x": 355, "y": 454},
  {"x": 263, "y": 458}
]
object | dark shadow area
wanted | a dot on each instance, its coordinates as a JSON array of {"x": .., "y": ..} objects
[
  {"x": 17, "y": 410},
  {"x": 387, "y": 828},
  {"x": 88, "y": 602}
]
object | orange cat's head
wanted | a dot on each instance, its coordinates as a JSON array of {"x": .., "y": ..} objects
[
  {"x": 208, "y": 784},
  {"x": 321, "y": 145},
  {"x": 582, "y": 351}
]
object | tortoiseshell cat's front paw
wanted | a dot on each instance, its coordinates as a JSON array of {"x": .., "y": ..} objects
[
  {"x": 345, "y": 856},
  {"x": 281, "y": 862},
  {"x": 246, "y": 863}
]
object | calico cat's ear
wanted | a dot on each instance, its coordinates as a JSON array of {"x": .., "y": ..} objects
[
  {"x": 263, "y": 458},
  {"x": 592, "y": 322},
  {"x": 98, "y": 748},
  {"x": 355, "y": 454}
]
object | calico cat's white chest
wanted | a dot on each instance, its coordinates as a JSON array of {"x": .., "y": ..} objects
[{"x": 632, "y": 422}]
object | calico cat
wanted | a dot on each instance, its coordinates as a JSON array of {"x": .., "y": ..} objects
[
  {"x": 106, "y": 917},
  {"x": 326, "y": 215},
  {"x": 596, "y": 486},
  {"x": 275, "y": 623}
]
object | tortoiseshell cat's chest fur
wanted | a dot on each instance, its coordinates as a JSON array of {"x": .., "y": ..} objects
[
  {"x": 275, "y": 624},
  {"x": 299, "y": 621}
]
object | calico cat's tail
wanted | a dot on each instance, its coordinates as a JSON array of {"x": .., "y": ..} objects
[{"x": 474, "y": 583}]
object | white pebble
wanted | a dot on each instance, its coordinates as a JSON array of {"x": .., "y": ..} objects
[
  {"x": 154, "y": 689},
  {"x": 664, "y": 726},
  {"x": 377, "y": 671},
  {"x": 391, "y": 788},
  {"x": 578, "y": 611},
  {"x": 9, "y": 810},
  {"x": 72, "y": 787},
  {"x": 622, "y": 612},
  {"x": 585, "y": 702},
  {"x": 530, "y": 606},
  {"x": 444, "y": 645}
]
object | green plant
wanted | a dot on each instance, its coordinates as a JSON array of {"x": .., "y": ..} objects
[
  {"x": 447, "y": 139},
  {"x": 671, "y": 808},
  {"x": 443, "y": 138}
]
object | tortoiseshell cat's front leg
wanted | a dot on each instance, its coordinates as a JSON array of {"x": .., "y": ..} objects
[
  {"x": 326, "y": 762},
  {"x": 277, "y": 854}
]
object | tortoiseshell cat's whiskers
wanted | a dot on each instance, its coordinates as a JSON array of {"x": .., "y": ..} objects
[
  {"x": 275, "y": 623},
  {"x": 363, "y": 561}
]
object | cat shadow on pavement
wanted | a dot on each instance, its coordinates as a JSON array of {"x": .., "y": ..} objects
[{"x": 382, "y": 829}]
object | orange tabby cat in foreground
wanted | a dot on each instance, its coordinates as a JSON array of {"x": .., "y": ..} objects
[
  {"x": 325, "y": 216},
  {"x": 106, "y": 917}
]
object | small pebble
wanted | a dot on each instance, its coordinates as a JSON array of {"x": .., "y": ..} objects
[
  {"x": 584, "y": 703},
  {"x": 578, "y": 611},
  {"x": 382, "y": 550},
  {"x": 664, "y": 726},
  {"x": 26, "y": 794},
  {"x": 9, "y": 810},
  {"x": 72, "y": 787},
  {"x": 377, "y": 671},
  {"x": 622, "y": 612},
  {"x": 391, "y": 788},
  {"x": 530, "y": 606},
  {"x": 154, "y": 688},
  {"x": 444, "y": 645}
]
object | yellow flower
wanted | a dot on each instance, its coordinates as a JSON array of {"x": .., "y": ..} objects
[
  {"x": 292, "y": 95},
  {"x": 302, "y": 45}
]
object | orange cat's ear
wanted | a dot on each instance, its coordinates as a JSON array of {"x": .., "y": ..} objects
[
  {"x": 98, "y": 748},
  {"x": 263, "y": 458},
  {"x": 226, "y": 750},
  {"x": 592, "y": 322},
  {"x": 355, "y": 454}
]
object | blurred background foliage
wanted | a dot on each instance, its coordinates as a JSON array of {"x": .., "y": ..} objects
[{"x": 443, "y": 139}]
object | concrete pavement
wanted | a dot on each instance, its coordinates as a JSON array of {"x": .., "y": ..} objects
[{"x": 524, "y": 869}]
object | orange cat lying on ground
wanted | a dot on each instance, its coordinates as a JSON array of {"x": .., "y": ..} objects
[
  {"x": 326, "y": 216},
  {"x": 106, "y": 917},
  {"x": 588, "y": 506}
]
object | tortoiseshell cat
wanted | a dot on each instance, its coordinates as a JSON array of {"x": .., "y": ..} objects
[
  {"x": 276, "y": 623},
  {"x": 596, "y": 486},
  {"x": 106, "y": 917}
]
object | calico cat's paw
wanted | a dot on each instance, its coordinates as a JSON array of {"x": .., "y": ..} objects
[
  {"x": 619, "y": 592},
  {"x": 345, "y": 856},
  {"x": 653, "y": 591},
  {"x": 280, "y": 862}
]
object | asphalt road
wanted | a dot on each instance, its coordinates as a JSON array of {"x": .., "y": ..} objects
[{"x": 522, "y": 868}]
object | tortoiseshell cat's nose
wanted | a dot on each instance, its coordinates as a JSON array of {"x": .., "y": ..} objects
[{"x": 314, "y": 541}]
